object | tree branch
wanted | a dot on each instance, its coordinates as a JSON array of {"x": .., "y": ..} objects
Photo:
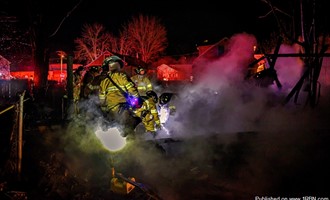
[{"x": 67, "y": 15}]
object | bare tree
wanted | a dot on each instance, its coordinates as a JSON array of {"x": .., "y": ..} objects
[
  {"x": 93, "y": 42},
  {"x": 312, "y": 41},
  {"x": 124, "y": 45},
  {"x": 14, "y": 42},
  {"x": 43, "y": 26},
  {"x": 146, "y": 36}
]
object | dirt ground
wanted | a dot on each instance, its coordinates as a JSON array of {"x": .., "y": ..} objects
[
  {"x": 240, "y": 166},
  {"x": 64, "y": 160}
]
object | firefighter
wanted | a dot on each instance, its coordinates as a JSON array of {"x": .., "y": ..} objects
[
  {"x": 88, "y": 88},
  {"x": 95, "y": 83},
  {"x": 113, "y": 99},
  {"x": 77, "y": 82},
  {"x": 142, "y": 81},
  {"x": 148, "y": 113}
]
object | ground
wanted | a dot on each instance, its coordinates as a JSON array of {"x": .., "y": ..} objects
[{"x": 64, "y": 160}]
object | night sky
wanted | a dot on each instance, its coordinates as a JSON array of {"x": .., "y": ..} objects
[{"x": 188, "y": 23}]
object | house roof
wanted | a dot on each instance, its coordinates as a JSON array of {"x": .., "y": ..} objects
[
  {"x": 211, "y": 51},
  {"x": 132, "y": 61},
  {"x": 4, "y": 61},
  {"x": 99, "y": 60},
  {"x": 129, "y": 60},
  {"x": 165, "y": 67},
  {"x": 187, "y": 68}
]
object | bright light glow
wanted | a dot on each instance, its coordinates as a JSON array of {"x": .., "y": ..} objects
[
  {"x": 111, "y": 139},
  {"x": 165, "y": 130},
  {"x": 164, "y": 113}
]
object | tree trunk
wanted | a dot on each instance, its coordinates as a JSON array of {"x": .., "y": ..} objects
[{"x": 41, "y": 61}]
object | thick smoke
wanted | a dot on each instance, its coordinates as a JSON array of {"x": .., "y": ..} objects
[
  {"x": 223, "y": 108},
  {"x": 222, "y": 102},
  {"x": 230, "y": 138}
]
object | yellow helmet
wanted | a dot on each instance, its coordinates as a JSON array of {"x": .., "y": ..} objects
[
  {"x": 139, "y": 70},
  {"x": 113, "y": 60}
]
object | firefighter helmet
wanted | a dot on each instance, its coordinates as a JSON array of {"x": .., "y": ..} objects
[
  {"x": 153, "y": 95},
  {"x": 114, "y": 61},
  {"x": 94, "y": 68},
  {"x": 80, "y": 68},
  {"x": 105, "y": 68},
  {"x": 165, "y": 98},
  {"x": 139, "y": 70}
]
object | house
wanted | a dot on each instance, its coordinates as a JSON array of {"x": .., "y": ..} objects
[
  {"x": 56, "y": 72},
  {"x": 190, "y": 68},
  {"x": 8, "y": 86},
  {"x": 4, "y": 68},
  {"x": 174, "y": 72},
  {"x": 207, "y": 53}
]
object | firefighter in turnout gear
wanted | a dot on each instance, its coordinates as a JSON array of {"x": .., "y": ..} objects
[
  {"x": 112, "y": 95},
  {"x": 142, "y": 82},
  {"x": 77, "y": 82},
  {"x": 148, "y": 112},
  {"x": 88, "y": 88},
  {"x": 95, "y": 84}
]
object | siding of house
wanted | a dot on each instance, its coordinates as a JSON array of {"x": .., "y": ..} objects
[
  {"x": 175, "y": 72},
  {"x": 4, "y": 68}
]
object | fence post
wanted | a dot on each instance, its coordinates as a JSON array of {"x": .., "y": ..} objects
[{"x": 20, "y": 135}]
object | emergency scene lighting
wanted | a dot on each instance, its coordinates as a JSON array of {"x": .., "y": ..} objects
[{"x": 240, "y": 115}]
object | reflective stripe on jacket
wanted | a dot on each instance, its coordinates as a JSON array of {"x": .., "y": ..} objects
[
  {"x": 151, "y": 117},
  {"x": 143, "y": 83},
  {"x": 111, "y": 94}
]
